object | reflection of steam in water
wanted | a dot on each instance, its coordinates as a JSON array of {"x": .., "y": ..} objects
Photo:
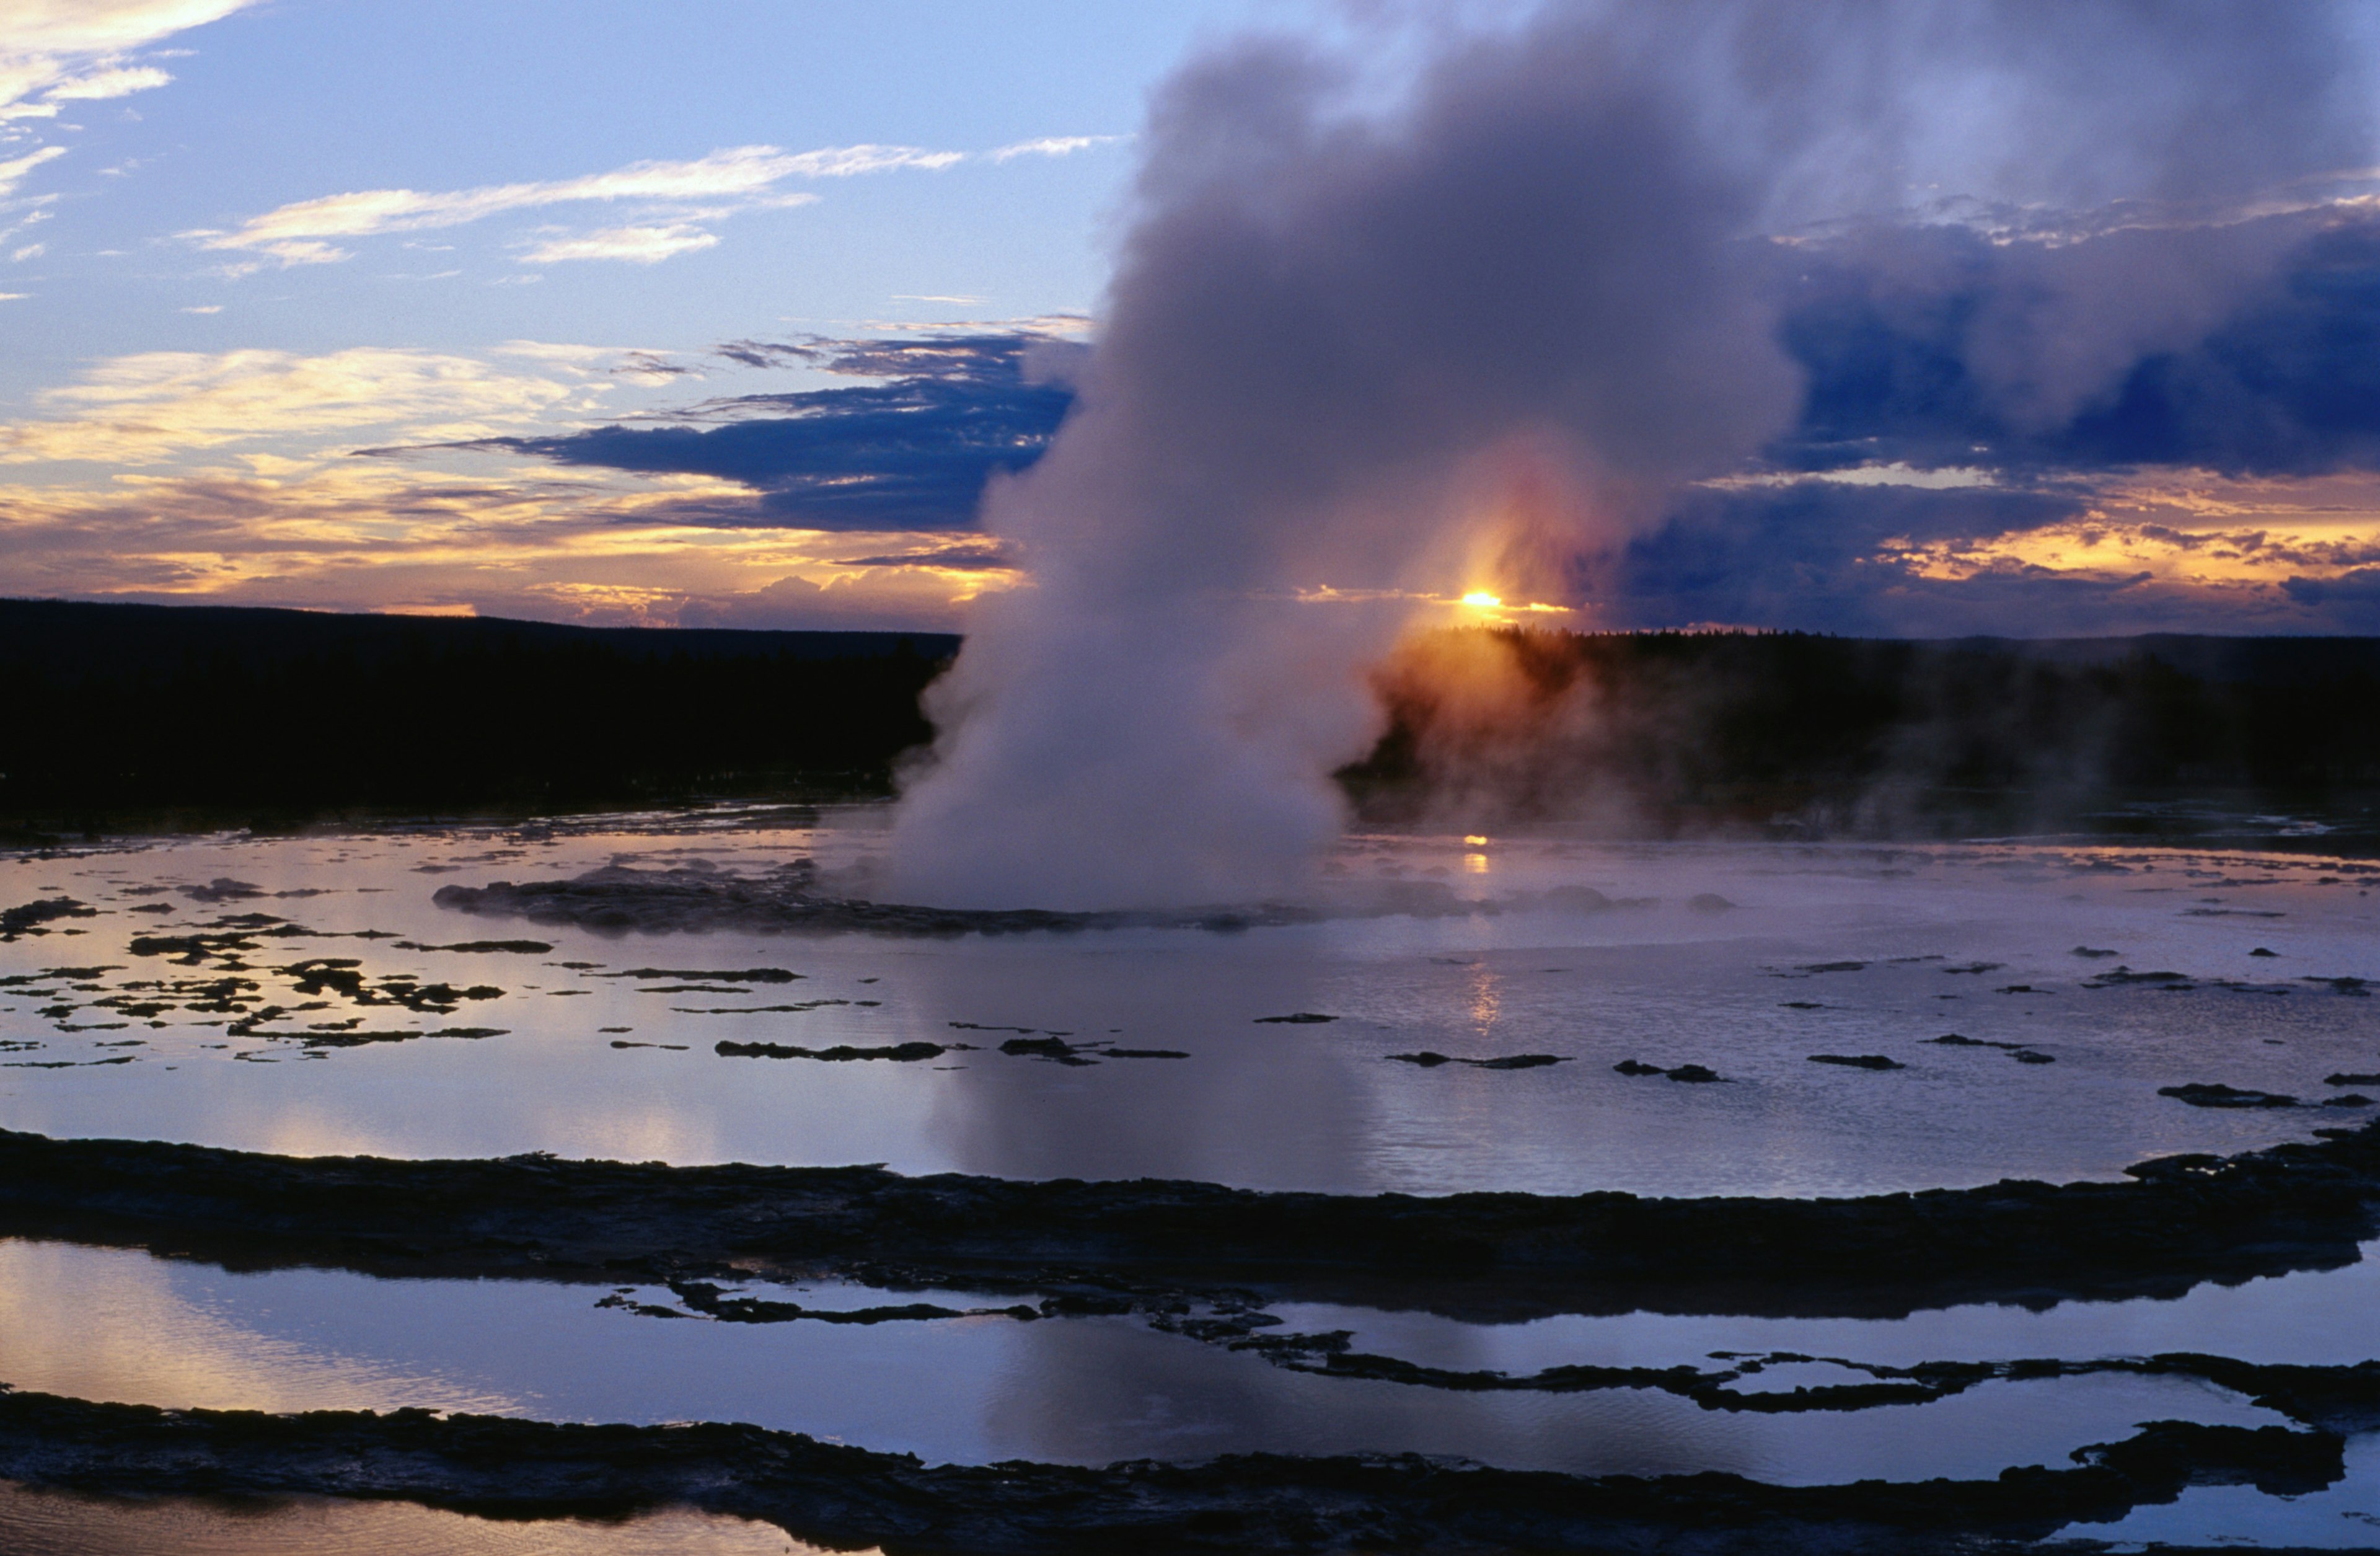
[
  {"x": 1275, "y": 1101},
  {"x": 43, "y": 1523},
  {"x": 2305, "y": 1317},
  {"x": 1095, "y": 1390},
  {"x": 111, "y": 1324},
  {"x": 118, "y": 1326}
]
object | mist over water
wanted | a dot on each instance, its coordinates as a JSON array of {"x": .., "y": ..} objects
[{"x": 1359, "y": 360}]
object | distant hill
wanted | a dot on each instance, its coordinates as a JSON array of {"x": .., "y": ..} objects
[{"x": 120, "y": 714}]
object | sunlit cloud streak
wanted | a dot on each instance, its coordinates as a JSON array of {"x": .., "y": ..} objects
[
  {"x": 102, "y": 84},
  {"x": 300, "y": 232},
  {"x": 1052, "y": 146},
  {"x": 13, "y": 171},
  {"x": 643, "y": 245},
  {"x": 154, "y": 406},
  {"x": 726, "y": 181},
  {"x": 370, "y": 535}
]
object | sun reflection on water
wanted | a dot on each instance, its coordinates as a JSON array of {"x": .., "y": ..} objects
[{"x": 1486, "y": 999}]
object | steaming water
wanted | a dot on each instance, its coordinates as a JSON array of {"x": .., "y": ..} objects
[
  {"x": 1980, "y": 939},
  {"x": 1943, "y": 935}
]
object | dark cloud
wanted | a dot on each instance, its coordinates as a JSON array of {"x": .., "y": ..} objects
[
  {"x": 962, "y": 559},
  {"x": 2349, "y": 603},
  {"x": 768, "y": 353},
  {"x": 1823, "y": 556},
  {"x": 1937, "y": 347},
  {"x": 1804, "y": 556},
  {"x": 913, "y": 453},
  {"x": 650, "y": 364},
  {"x": 2255, "y": 352}
]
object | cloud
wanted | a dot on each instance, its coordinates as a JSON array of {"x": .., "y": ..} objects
[
  {"x": 705, "y": 189},
  {"x": 2254, "y": 346},
  {"x": 1052, "y": 146},
  {"x": 154, "y": 406},
  {"x": 301, "y": 233},
  {"x": 1810, "y": 556},
  {"x": 914, "y": 453},
  {"x": 100, "y": 84},
  {"x": 12, "y": 173},
  {"x": 843, "y": 161},
  {"x": 641, "y": 245},
  {"x": 60, "y": 51},
  {"x": 960, "y": 559},
  {"x": 2351, "y": 601},
  {"x": 2173, "y": 425},
  {"x": 836, "y": 602},
  {"x": 2082, "y": 554},
  {"x": 372, "y": 535}
]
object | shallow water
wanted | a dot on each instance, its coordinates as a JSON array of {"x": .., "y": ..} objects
[
  {"x": 2341, "y": 1517},
  {"x": 2308, "y": 1318},
  {"x": 588, "y": 1044},
  {"x": 106, "y": 1324},
  {"x": 1942, "y": 933},
  {"x": 41, "y": 1523}
]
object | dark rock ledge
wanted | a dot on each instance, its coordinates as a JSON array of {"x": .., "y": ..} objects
[
  {"x": 2178, "y": 1221},
  {"x": 843, "y": 1497},
  {"x": 792, "y": 899},
  {"x": 619, "y": 898}
]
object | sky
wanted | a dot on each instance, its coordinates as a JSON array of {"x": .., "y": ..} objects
[{"x": 717, "y": 313}]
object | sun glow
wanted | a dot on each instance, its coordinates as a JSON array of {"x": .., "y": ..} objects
[{"x": 1482, "y": 600}]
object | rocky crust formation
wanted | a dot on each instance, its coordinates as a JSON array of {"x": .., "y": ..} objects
[
  {"x": 2179, "y": 1221},
  {"x": 844, "y": 1497},
  {"x": 788, "y": 901},
  {"x": 795, "y": 899}
]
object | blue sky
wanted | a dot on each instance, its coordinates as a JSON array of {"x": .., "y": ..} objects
[
  {"x": 722, "y": 312},
  {"x": 294, "y": 100}
]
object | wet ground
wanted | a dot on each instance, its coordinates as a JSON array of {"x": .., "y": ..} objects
[{"x": 1538, "y": 1014}]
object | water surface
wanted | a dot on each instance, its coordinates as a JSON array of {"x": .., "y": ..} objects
[
  {"x": 108, "y": 1324},
  {"x": 1980, "y": 940}
]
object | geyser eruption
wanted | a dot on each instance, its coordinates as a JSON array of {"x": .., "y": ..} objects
[{"x": 1359, "y": 359}]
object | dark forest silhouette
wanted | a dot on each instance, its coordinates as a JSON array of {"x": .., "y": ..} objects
[
  {"x": 125, "y": 716},
  {"x": 128, "y": 715},
  {"x": 1672, "y": 730}
]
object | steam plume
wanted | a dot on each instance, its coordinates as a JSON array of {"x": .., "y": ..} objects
[{"x": 1393, "y": 354}]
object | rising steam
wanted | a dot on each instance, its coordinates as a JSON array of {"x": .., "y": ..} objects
[{"x": 1358, "y": 360}]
